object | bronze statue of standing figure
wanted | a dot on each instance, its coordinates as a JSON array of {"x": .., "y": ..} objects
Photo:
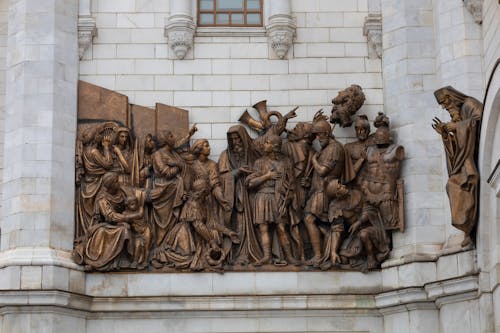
[{"x": 460, "y": 140}]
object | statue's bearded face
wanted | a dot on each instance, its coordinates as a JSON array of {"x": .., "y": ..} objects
[
  {"x": 323, "y": 139},
  {"x": 236, "y": 142},
  {"x": 452, "y": 108}
]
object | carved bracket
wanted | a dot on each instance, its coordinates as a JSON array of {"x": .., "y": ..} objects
[
  {"x": 180, "y": 32},
  {"x": 87, "y": 30},
  {"x": 372, "y": 29},
  {"x": 475, "y": 7},
  {"x": 281, "y": 30}
]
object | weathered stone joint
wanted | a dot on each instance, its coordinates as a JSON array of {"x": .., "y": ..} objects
[
  {"x": 372, "y": 29},
  {"x": 475, "y": 7}
]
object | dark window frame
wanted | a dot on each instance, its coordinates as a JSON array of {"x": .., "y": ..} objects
[{"x": 244, "y": 12}]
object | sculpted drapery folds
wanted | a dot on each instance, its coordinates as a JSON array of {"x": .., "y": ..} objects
[
  {"x": 460, "y": 140},
  {"x": 299, "y": 150},
  {"x": 95, "y": 160},
  {"x": 234, "y": 165},
  {"x": 110, "y": 232},
  {"x": 159, "y": 203},
  {"x": 329, "y": 164},
  {"x": 170, "y": 172}
]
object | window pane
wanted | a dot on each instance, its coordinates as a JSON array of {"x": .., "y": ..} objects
[
  {"x": 253, "y": 4},
  {"x": 206, "y": 19},
  {"x": 237, "y": 19},
  {"x": 222, "y": 18},
  {"x": 230, "y": 4},
  {"x": 207, "y": 4},
  {"x": 253, "y": 18}
]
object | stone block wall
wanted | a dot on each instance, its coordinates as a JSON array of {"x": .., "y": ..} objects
[
  {"x": 459, "y": 48},
  {"x": 491, "y": 30},
  {"x": 223, "y": 75},
  {"x": 4, "y": 15}
]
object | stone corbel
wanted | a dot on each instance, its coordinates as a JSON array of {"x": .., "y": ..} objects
[
  {"x": 372, "y": 29},
  {"x": 475, "y": 7},
  {"x": 180, "y": 28},
  {"x": 180, "y": 33},
  {"x": 281, "y": 30},
  {"x": 87, "y": 30}
]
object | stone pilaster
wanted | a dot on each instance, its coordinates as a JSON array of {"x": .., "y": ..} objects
[
  {"x": 40, "y": 126},
  {"x": 409, "y": 82}
]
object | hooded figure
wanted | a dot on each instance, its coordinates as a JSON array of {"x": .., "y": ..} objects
[
  {"x": 234, "y": 165},
  {"x": 460, "y": 137}
]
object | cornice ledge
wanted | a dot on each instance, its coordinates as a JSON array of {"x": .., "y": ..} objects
[{"x": 454, "y": 290}]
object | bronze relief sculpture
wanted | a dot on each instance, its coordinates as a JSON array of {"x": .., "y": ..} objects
[
  {"x": 460, "y": 139},
  {"x": 147, "y": 199}
]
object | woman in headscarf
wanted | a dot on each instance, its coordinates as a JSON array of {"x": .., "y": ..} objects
[
  {"x": 123, "y": 155},
  {"x": 110, "y": 232},
  {"x": 460, "y": 138},
  {"x": 95, "y": 160}
]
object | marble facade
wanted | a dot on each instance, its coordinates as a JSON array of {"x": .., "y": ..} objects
[{"x": 429, "y": 284}]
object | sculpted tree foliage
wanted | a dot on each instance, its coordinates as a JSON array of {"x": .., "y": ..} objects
[{"x": 286, "y": 199}]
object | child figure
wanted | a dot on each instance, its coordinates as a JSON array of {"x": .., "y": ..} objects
[{"x": 141, "y": 232}]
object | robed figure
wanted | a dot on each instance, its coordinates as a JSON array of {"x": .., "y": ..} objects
[
  {"x": 234, "y": 165},
  {"x": 460, "y": 137}
]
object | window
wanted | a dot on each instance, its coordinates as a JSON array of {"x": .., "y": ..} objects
[{"x": 230, "y": 13}]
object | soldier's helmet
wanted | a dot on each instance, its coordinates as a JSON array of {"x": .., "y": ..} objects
[{"x": 321, "y": 126}]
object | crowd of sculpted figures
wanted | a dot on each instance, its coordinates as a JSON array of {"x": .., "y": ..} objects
[{"x": 290, "y": 198}]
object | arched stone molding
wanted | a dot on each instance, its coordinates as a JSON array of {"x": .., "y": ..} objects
[
  {"x": 180, "y": 28},
  {"x": 488, "y": 239},
  {"x": 281, "y": 27},
  {"x": 87, "y": 29}
]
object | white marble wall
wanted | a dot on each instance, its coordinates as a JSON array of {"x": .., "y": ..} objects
[
  {"x": 409, "y": 67},
  {"x": 40, "y": 122},
  {"x": 491, "y": 42},
  {"x": 459, "y": 48},
  {"x": 223, "y": 75}
]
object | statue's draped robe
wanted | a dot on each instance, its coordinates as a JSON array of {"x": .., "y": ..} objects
[
  {"x": 236, "y": 193},
  {"x": 95, "y": 164},
  {"x": 166, "y": 197},
  {"x": 460, "y": 147},
  {"x": 108, "y": 235}
]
